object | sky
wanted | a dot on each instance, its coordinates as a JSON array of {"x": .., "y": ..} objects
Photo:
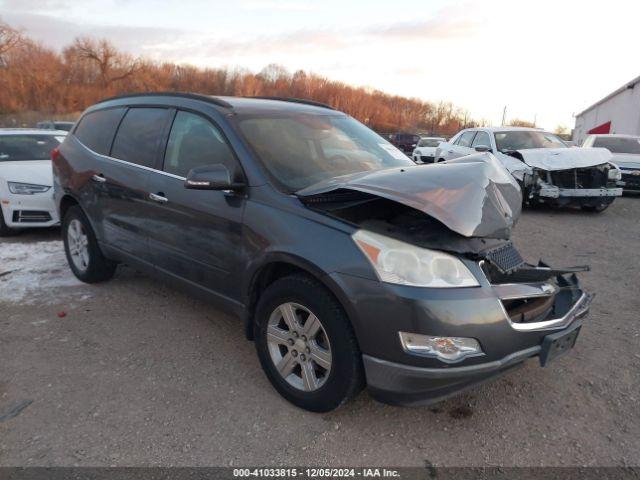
[{"x": 545, "y": 59}]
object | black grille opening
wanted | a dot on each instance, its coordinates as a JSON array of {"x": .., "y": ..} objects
[
  {"x": 527, "y": 310},
  {"x": 580, "y": 178},
  {"x": 31, "y": 216}
]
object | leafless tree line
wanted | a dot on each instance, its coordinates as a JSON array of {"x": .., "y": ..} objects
[{"x": 36, "y": 78}]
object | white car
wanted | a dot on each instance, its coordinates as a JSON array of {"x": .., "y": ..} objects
[
  {"x": 26, "y": 179},
  {"x": 548, "y": 171},
  {"x": 626, "y": 155},
  {"x": 425, "y": 151}
]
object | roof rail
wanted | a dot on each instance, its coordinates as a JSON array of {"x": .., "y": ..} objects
[
  {"x": 297, "y": 100},
  {"x": 193, "y": 96}
]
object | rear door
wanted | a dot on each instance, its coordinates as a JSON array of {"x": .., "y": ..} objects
[
  {"x": 197, "y": 234},
  {"x": 124, "y": 198}
]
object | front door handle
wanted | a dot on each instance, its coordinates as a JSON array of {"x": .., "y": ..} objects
[
  {"x": 98, "y": 178},
  {"x": 158, "y": 197}
]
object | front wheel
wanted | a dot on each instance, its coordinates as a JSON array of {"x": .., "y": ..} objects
[
  {"x": 84, "y": 256},
  {"x": 600, "y": 207},
  {"x": 306, "y": 345}
]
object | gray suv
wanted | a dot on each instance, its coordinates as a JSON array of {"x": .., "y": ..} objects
[{"x": 349, "y": 264}]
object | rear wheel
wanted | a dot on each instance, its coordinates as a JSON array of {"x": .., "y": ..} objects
[
  {"x": 81, "y": 247},
  {"x": 306, "y": 345}
]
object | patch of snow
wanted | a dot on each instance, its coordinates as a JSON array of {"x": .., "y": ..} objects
[{"x": 36, "y": 271}]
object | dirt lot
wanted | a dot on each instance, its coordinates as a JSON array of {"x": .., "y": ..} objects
[{"x": 136, "y": 373}]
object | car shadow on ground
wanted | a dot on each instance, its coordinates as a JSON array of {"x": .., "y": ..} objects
[{"x": 33, "y": 235}]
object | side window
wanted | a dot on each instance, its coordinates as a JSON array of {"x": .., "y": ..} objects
[
  {"x": 466, "y": 138},
  {"x": 195, "y": 142},
  {"x": 482, "y": 138},
  {"x": 139, "y": 135},
  {"x": 96, "y": 129}
]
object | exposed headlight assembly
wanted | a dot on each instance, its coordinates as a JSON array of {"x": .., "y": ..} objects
[
  {"x": 26, "y": 188},
  {"x": 405, "y": 264},
  {"x": 615, "y": 174}
]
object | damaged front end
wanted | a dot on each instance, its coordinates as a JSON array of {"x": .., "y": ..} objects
[
  {"x": 570, "y": 177},
  {"x": 466, "y": 207}
]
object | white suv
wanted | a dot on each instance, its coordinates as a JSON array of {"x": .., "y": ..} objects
[{"x": 26, "y": 179}]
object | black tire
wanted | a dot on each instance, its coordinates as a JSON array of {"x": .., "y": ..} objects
[
  {"x": 599, "y": 208},
  {"x": 346, "y": 375},
  {"x": 99, "y": 268},
  {"x": 4, "y": 230}
]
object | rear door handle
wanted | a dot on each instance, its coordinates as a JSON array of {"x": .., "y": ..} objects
[
  {"x": 98, "y": 178},
  {"x": 157, "y": 197}
]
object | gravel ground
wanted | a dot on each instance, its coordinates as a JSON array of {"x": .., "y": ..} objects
[{"x": 136, "y": 373}]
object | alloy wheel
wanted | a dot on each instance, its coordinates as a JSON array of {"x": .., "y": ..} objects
[
  {"x": 299, "y": 346},
  {"x": 78, "y": 243}
]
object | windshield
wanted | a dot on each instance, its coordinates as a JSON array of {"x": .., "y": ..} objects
[
  {"x": 300, "y": 149},
  {"x": 27, "y": 147},
  {"x": 618, "y": 144},
  {"x": 429, "y": 142},
  {"x": 526, "y": 139}
]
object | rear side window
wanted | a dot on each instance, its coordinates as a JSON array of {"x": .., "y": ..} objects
[
  {"x": 194, "y": 142},
  {"x": 139, "y": 135},
  {"x": 96, "y": 129}
]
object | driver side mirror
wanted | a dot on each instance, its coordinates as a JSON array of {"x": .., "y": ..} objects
[
  {"x": 482, "y": 148},
  {"x": 211, "y": 177}
]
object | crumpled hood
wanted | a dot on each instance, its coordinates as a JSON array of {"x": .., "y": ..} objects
[
  {"x": 474, "y": 196},
  {"x": 626, "y": 160},
  {"x": 37, "y": 172},
  {"x": 551, "y": 159}
]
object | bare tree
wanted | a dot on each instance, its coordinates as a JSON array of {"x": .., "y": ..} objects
[
  {"x": 9, "y": 38},
  {"x": 518, "y": 122},
  {"x": 561, "y": 130},
  {"x": 112, "y": 66}
]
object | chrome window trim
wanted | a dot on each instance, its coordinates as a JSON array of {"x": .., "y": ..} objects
[{"x": 143, "y": 167}]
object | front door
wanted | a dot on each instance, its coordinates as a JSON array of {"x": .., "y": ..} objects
[
  {"x": 196, "y": 234},
  {"x": 462, "y": 146}
]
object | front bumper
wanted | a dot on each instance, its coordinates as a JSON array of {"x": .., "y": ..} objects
[
  {"x": 399, "y": 384},
  {"x": 379, "y": 311},
  {"x": 27, "y": 211},
  {"x": 551, "y": 191}
]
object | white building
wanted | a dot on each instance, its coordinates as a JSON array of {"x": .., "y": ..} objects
[{"x": 618, "y": 112}]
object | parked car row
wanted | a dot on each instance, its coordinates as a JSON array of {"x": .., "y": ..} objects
[{"x": 548, "y": 171}]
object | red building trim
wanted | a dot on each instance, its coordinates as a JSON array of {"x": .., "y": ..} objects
[{"x": 604, "y": 128}]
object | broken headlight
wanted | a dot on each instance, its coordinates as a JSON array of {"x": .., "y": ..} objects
[
  {"x": 405, "y": 264},
  {"x": 615, "y": 174}
]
